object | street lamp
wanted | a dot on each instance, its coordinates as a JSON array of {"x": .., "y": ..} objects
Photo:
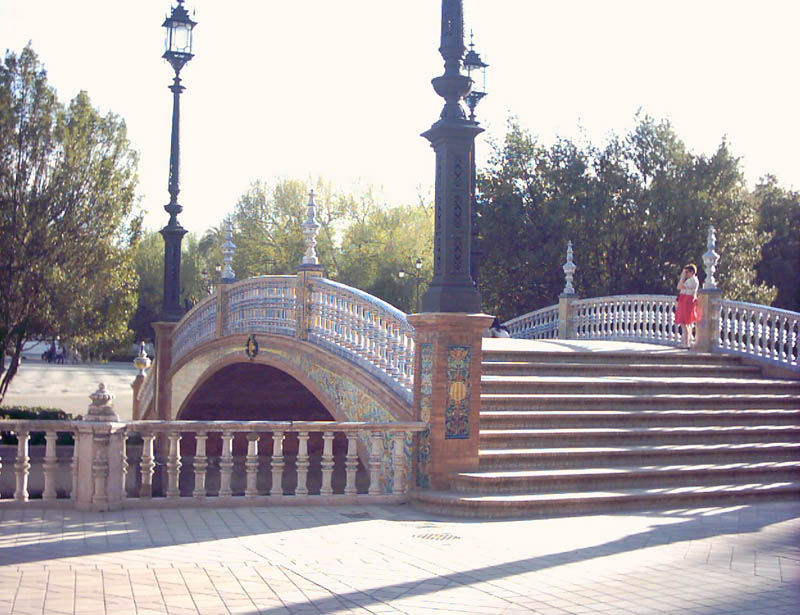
[
  {"x": 417, "y": 279},
  {"x": 178, "y": 43},
  {"x": 476, "y": 70}
]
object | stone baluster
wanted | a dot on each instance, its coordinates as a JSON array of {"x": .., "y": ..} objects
[
  {"x": 375, "y": 454},
  {"x": 50, "y": 466},
  {"x": 174, "y": 465},
  {"x": 147, "y": 466},
  {"x": 73, "y": 494},
  {"x": 277, "y": 464},
  {"x": 251, "y": 465},
  {"x": 200, "y": 465},
  {"x": 100, "y": 469},
  {"x": 351, "y": 464},
  {"x": 123, "y": 463},
  {"x": 302, "y": 464},
  {"x": 327, "y": 464},
  {"x": 399, "y": 460},
  {"x": 22, "y": 466},
  {"x": 226, "y": 465}
]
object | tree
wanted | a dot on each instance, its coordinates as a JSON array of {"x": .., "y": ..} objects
[
  {"x": 779, "y": 217},
  {"x": 67, "y": 181},
  {"x": 637, "y": 210}
]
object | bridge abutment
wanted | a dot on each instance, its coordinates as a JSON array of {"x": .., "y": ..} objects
[{"x": 447, "y": 395}]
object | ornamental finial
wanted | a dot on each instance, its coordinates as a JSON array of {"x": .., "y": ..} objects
[
  {"x": 569, "y": 271},
  {"x": 311, "y": 229},
  {"x": 710, "y": 259},
  {"x": 228, "y": 250}
]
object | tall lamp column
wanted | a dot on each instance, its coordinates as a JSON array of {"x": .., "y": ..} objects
[
  {"x": 178, "y": 52},
  {"x": 452, "y": 137}
]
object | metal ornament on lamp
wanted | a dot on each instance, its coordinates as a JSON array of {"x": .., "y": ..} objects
[{"x": 179, "y": 27}]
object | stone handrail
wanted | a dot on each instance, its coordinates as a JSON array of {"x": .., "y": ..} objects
[
  {"x": 114, "y": 465},
  {"x": 148, "y": 388},
  {"x": 266, "y": 304},
  {"x": 199, "y": 325},
  {"x": 765, "y": 333},
  {"x": 540, "y": 324},
  {"x": 363, "y": 329},
  {"x": 641, "y": 318}
]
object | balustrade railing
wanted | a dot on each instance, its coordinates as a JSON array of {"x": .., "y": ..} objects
[
  {"x": 363, "y": 329},
  {"x": 198, "y": 326},
  {"x": 266, "y": 304},
  {"x": 641, "y": 318},
  {"x": 766, "y": 333},
  {"x": 211, "y": 461},
  {"x": 541, "y": 324}
]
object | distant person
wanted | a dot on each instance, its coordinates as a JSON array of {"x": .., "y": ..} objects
[
  {"x": 498, "y": 330},
  {"x": 686, "y": 314}
]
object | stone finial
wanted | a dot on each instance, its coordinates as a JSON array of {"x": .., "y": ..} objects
[
  {"x": 311, "y": 229},
  {"x": 228, "y": 250},
  {"x": 569, "y": 271},
  {"x": 142, "y": 362},
  {"x": 102, "y": 406},
  {"x": 710, "y": 259}
]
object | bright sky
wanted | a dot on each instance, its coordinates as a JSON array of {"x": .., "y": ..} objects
[{"x": 341, "y": 88}]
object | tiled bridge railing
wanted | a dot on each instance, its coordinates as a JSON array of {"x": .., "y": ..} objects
[
  {"x": 764, "y": 334},
  {"x": 344, "y": 320},
  {"x": 157, "y": 463}
]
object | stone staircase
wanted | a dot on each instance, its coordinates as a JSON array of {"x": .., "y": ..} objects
[{"x": 590, "y": 431}]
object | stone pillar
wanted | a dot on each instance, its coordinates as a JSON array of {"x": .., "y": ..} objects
[
  {"x": 566, "y": 325},
  {"x": 99, "y": 447},
  {"x": 305, "y": 275},
  {"x": 162, "y": 401},
  {"x": 447, "y": 395},
  {"x": 708, "y": 326}
]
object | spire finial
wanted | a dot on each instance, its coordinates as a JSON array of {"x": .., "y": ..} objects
[
  {"x": 228, "y": 250},
  {"x": 569, "y": 271},
  {"x": 311, "y": 229}
]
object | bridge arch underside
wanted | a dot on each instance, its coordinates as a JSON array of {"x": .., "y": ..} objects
[
  {"x": 287, "y": 380},
  {"x": 252, "y": 392}
]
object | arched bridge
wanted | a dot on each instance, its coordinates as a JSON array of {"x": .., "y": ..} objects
[{"x": 283, "y": 348}]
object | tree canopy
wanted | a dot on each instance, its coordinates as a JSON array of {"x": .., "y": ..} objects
[
  {"x": 637, "y": 210},
  {"x": 67, "y": 182}
]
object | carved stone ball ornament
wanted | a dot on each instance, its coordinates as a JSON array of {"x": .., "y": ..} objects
[{"x": 102, "y": 407}]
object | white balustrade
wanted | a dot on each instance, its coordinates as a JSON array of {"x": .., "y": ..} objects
[
  {"x": 365, "y": 330},
  {"x": 198, "y": 326},
  {"x": 148, "y": 389},
  {"x": 540, "y": 324},
  {"x": 641, "y": 318},
  {"x": 765, "y": 333},
  {"x": 266, "y": 304}
]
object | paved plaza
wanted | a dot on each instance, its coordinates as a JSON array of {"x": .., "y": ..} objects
[{"x": 371, "y": 559}]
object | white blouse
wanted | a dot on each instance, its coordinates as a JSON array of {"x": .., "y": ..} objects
[{"x": 690, "y": 286}]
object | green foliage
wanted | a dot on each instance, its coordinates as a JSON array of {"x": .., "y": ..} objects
[
  {"x": 637, "y": 210},
  {"x": 779, "y": 218},
  {"x": 67, "y": 181}
]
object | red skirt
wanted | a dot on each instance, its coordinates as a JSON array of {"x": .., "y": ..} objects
[{"x": 686, "y": 314}]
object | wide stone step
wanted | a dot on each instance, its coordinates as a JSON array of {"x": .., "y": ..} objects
[
  {"x": 565, "y": 419},
  {"x": 564, "y": 368},
  {"x": 594, "y": 456},
  {"x": 493, "y": 385},
  {"x": 625, "y": 436},
  {"x": 492, "y": 505},
  {"x": 663, "y": 401},
  {"x": 663, "y": 356},
  {"x": 541, "y": 481}
]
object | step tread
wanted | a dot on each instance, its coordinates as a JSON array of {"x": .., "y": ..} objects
[
  {"x": 599, "y": 472},
  {"x": 623, "y": 396},
  {"x": 491, "y": 452},
  {"x": 619, "y": 494},
  {"x": 734, "y": 367},
  {"x": 633, "y": 379},
  {"x": 633, "y": 431}
]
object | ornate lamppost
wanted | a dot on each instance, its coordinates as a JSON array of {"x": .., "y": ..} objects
[
  {"x": 178, "y": 52},
  {"x": 417, "y": 273},
  {"x": 476, "y": 71},
  {"x": 452, "y": 137}
]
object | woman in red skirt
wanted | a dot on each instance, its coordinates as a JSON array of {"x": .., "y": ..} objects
[{"x": 686, "y": 314}]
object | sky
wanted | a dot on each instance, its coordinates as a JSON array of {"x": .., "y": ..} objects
[{"x": 340, "y": 89}]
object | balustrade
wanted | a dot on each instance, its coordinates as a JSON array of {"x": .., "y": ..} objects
[
  {"x": 537, "y": 325},
  {"x": 642, "y": 318},
  {"x": 203, "y": 460},
  {"x": 364, "y": 329},
  {"x": 198, "y": 326},
  {"x": 765, "y": 333},
  {"x": 266, "y": 304}
]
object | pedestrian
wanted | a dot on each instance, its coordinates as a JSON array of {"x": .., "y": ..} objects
[
  {"x": 498, "y": 330},
  {"x": 686, "y": 314}
]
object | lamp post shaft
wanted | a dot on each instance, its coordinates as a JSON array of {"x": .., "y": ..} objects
[
  {"x": 452, "y": 137},
  {"x": 175, "y": 144}
]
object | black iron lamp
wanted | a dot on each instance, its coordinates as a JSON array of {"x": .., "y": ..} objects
[
  {"x": 476, "y": 71},
  {"x": 178, "y": 41}
]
